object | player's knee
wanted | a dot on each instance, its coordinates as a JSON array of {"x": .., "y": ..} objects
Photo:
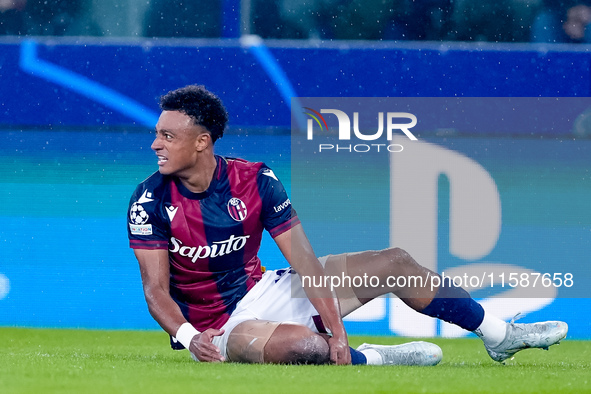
[
  {"x": 297, "y": 344},
  {"x": 396, "y": 256},
  {"x": 396, "y": 262},
  {"x": 309, "y": 349}
]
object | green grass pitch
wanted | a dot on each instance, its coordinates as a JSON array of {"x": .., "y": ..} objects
[{"x": 86, "y": 361}]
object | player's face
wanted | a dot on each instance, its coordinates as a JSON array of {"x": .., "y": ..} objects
[{"x": 176, "y": 143}]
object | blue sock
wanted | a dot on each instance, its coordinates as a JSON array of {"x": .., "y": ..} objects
[
  {"x": 357, "y": 357},
  {"x": 454, "y": 305}
]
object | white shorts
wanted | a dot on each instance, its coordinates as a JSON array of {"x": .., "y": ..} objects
[{"x": 272, "y": 298}]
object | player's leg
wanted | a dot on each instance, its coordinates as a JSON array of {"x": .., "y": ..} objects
[
  {"x": 263, "y": 341},
  {"x": 422, "y": 290},
  {"x": 417, "y": 286},
  {"x": 443, "y": 300},
  {"x": 413, "y": 353},
  {"x": 254, "y": 335},
  {"x": 358, "y": 269}
]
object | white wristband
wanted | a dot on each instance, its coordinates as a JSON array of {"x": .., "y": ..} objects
[{"x": 185, "y": 334}]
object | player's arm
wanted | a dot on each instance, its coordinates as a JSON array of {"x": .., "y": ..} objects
[
  {"x": 296, "y": 248},
  {"x": 155, "y": 272}
]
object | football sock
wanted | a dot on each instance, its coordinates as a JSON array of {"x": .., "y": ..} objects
[
  {"x": 372, "y": 357},
  {"x": 454, "y": 305},
  {"x": 357, "y": 357},
  {"x": 492, "y": 330}
]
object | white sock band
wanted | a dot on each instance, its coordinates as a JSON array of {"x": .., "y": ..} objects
[
  {"x": 185, "y": 334},
  {"x": 372, "y": 356},
  {"x": 492, "y": 330}
]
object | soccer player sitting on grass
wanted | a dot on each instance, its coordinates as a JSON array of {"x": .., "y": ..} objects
[{"x": 196, "y": 225}]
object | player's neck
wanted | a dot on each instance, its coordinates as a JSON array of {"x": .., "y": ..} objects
[{"x": 199, "y": 179}]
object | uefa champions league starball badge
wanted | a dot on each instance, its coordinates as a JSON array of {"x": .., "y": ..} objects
[{"x": 138, "y": 214}]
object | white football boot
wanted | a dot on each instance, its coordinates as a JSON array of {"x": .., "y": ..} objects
[
  {"x": 412, "y": 353},
  {"x": 521, "y": 336}
]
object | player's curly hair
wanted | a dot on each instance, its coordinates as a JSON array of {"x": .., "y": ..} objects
[{"x": 203, "y": 106}]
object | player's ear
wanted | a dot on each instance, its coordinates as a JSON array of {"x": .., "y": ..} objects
[{"x": 203, "y": 141}]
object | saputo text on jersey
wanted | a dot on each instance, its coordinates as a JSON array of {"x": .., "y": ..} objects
[{"x": 219, "y": 248}]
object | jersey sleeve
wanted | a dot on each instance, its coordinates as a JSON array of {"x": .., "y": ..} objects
[
  {"x": 278, "y": 216},
  {"x": 147, "y": 228}
]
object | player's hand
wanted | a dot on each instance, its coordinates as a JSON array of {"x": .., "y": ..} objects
[
  {"x": 339, "y": 350},
  {"x": 203, "y": 348}
]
